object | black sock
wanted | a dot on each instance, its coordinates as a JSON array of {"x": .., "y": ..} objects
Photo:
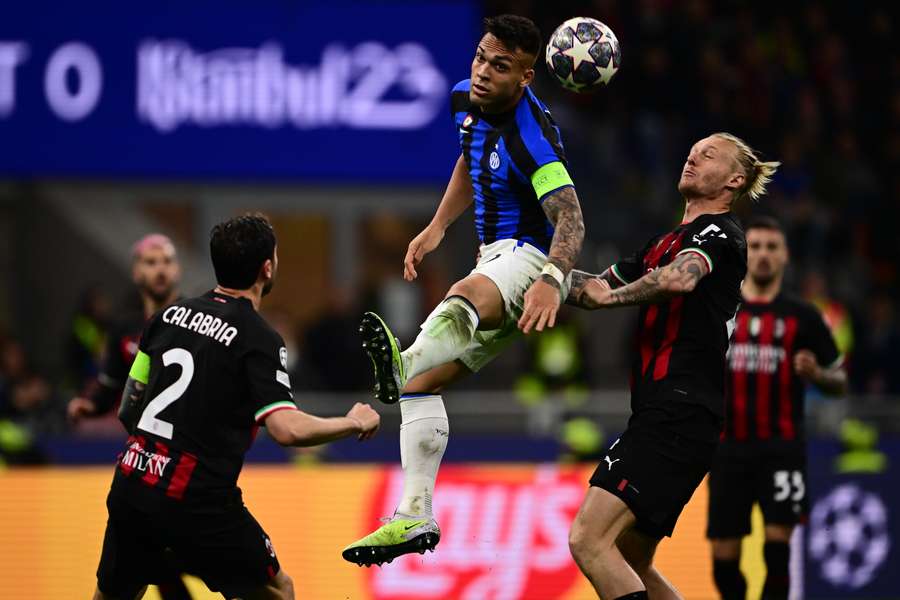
[
  {"x": 642, "y": 595},
  {"x": 729, "y": 579},
  {"x": 778, "y": 577}
]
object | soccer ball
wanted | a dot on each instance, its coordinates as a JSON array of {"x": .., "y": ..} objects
[
  {"x": 849, "y": 536},
  {"x": 583, "y": 54}
]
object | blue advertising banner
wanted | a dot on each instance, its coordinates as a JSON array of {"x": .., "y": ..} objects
[
  {"x": 288, "y": 90},
  {"x": 852, "y": 540}
]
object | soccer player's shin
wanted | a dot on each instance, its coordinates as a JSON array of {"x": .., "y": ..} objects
[
  {"x": 412, "y": 528},
  {"x": 423, "y": 438},
  {"x": 444, "y": 336}
]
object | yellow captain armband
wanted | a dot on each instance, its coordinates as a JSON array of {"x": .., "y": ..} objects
[
  {"x": 550, "y": 178},
  {"x": 140, "y": 368}
]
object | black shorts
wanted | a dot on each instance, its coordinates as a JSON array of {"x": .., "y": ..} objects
[
  {"x": 746, "y": 473},
  {"x": 221, "y": 544},
  {"x": 657, "y": 463}
]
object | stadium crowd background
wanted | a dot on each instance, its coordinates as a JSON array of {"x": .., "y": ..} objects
[{"x": 814, "y": 85}]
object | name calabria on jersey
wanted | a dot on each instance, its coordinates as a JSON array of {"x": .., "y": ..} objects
[
  {"x": 204, "y": 324},
  {"x": 208, "y": 373},
  {"x": 512, "y": 166}
]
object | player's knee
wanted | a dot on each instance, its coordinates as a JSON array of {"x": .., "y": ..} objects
[{"x": 581, "y": 545}]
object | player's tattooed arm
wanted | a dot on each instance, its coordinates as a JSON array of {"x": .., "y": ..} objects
[
  {"x": 679, "y": 277},
  {"x": 132, "y": 404},
  {"x": 581, "y": 280},
  {"x": 564, "y": 211}
]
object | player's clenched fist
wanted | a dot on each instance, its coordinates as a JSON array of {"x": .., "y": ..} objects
[
  {"x": 421, "y": 245},
  {"x": 805, "y": 365},
  {"x": 367, "y": 418}
]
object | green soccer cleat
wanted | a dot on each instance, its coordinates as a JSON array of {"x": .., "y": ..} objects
[
  {"x": 401, "y": 535},
  {"x": 384, "y": 351}
]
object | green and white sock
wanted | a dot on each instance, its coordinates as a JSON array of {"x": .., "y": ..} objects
[{"x": 444, "y": 337}]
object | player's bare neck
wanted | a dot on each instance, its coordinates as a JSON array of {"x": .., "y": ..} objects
[
  {"x": 754, "y": 293},
  {"x": 695, "y": 207},
  {"x": 254, "y": 294},
  {"x": 508, "y": 106},
  {"x": 151, "y": 306}
]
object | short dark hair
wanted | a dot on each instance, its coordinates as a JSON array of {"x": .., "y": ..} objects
[
  {"x": 763, "y": 222},
  {"x": 515, "y": 32},
  {"x": 239, "y": 247}
]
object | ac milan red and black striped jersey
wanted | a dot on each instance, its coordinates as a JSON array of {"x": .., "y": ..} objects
[
  {"x": 764, "y": 394},
  {"x": 217, "y": 370},
  {"x": 681, "y": 343}
]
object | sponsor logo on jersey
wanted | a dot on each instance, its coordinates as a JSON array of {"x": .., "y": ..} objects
[{"x": 140, "y": 459}]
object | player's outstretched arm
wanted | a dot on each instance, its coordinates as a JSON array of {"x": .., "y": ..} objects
[
  {"x": 457, "y": 198},
  {"x": 297, "y": 428},
  {"x": 542, "y": 298},
  {"x": 679, "y": 277}
]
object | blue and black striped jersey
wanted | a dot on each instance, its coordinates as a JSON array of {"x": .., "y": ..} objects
[{"x": 502, "y": 152}]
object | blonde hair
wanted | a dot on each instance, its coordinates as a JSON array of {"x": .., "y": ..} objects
[{"x": 757, "y": 173}]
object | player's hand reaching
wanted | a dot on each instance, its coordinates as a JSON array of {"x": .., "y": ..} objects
[
  {"x": 422, "y": 244},
  {"x": 367, "y": 419},
  {"x": 806, "y": 366},
  {"x": 541, "y": 305},
  {"x": 80, "y": 408}
]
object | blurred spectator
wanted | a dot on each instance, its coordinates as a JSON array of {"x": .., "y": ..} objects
[
  {"x": 814, "y": 288},
  {"x": 874, "y": 369},
  {"x": 336, "y": 359},
  {"x": 28, "y": 407},
  {"x": 87, "y": 335}
]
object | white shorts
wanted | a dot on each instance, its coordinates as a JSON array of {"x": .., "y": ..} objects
[{"x": 513, "y": 266}]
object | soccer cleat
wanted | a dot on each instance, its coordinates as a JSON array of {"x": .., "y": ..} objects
[
  {"x": 384, "y": 352},
  {"x": 399, "y": 536}
]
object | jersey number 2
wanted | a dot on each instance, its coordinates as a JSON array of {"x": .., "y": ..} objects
[{"x": 149, "y": 422}]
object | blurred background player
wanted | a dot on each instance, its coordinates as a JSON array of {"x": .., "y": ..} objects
[
  {"x": 212, "y": 371},
  {"x": 156, "y": 272},
  {"x": 530, "y": 226},
  {"x": 687, "y": 283},
  {"x": 780, "y": 343}
]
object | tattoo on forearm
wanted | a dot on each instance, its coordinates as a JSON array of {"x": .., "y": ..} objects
[
  {"x": 678, "y": 277},
  {"x": 564, "y": 212},
  {"x": 576, "y": 296},
  {"x": 549, "y": 280}
]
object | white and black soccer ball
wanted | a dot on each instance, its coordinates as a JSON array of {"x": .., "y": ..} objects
[
  {"x": 849, "y": 536},
  {"x": 583, "y": 54}
]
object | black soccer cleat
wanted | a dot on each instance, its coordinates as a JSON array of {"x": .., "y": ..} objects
[{"x": 384, "y": 352}]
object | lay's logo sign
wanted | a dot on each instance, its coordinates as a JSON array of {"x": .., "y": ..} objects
[{"x": 504, "y": 535}]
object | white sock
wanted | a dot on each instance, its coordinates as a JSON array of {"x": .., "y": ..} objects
[
  {"x": 444, "y": 337},
  {"x": 423, "y": 438}
]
